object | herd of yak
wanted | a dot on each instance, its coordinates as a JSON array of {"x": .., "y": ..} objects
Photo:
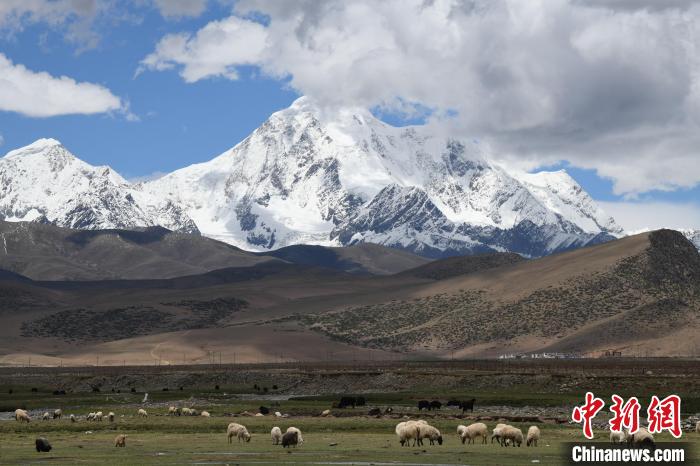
[{"x": 354, "y": 401}]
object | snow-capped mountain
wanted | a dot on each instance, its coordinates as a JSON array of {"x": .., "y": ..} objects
[
  {"x": 44, "y": 182},
  {"x": 307, "y": 175},
  {"x": 313, "y": 176}
]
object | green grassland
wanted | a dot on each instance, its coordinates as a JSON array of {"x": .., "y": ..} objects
[{"x": 349, "y": 437}]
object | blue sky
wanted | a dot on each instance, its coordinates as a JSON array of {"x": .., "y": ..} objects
[{"x": 179, "y": 82}]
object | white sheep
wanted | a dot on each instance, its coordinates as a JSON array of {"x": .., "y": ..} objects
[
  {"x": 496, "y": 433},
  {"x": 46, "y": 416},
  {"x": 473, "y": 431},
  {"x": 237, "y": 430},
  {"x": 110, "y": 416},
  {"x": 72, "y": 418},
  {"x": 512, "y": 434},
  {"x": 326, "y": 413},
  {"x": 205, "y": 414},
  {"x": 99, "y": 416},
  {"x": 425, "y": 430},
  {"x": 618, "y": 437},
  {"x": 278, "y": 414},
  {"x": 57, "y": 414},
  {"x": 641, "y": 437},
  {"x": 407, "y": 431},
  {"x": 142, "y": 412},
  {"x": 90, "y": 416},
  {"x": 298, "y": 432},
  {"x": 533, "y": 435},
  {"x": 186, "y": 411},
  {"x": 460, "y": 430},
  {"x": 172, "y": 410},
  {"x": 276, "y": 434},
  {"x": 22, "y": 416}
]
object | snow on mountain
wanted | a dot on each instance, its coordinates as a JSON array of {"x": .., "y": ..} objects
[
  {"x": 693, "y": 236},
  {"x": 46, "y": 183},
  {"x": 312, "y": 176}
]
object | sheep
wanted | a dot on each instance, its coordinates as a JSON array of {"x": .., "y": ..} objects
[
  {"x": 186, "y": 411},
  {"x": 289, "y": 439},
  {"x": 300, "y": 439},
  {"x": 73, "y": 418},
  {"x": 172, "y": 410},
  {"x": 618, "y": 437},
  {"x": 120, "y": 441},
  {"x": 90, "y": 416},
  {"x": 194, "y": 412},
  {"x": 99, "y": 416},
  {"x": 425, "y": 430},
  {"x": 42, "y": 445},
  {"x": 239, "y": 431},
  {"x": 22, "y": 416},
  {"x": 641, "y": 438},
  {"x": 110, "y": 416},
  {"x": 513, "y": 434},
  {"x": 278, "y": 414},
  {"x": 205, "y": 414},
  {"x": 327, "y": 412},
  {"x": 460, "y": 430},
  {"x": 475, "y": 430},
  {"x": 46, "y": 416},
  {"x": 276, "y": 434},
  {"x": 496, "y": 435},
  {"x": 533, "y": 435},
  {"x": 142, "y": 412},
  {"x": 407, "y": 431},
  {"x": 57, "y": 414}
]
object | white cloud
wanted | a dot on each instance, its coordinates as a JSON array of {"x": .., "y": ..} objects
[
  {"x": 639, "y": 216},
  {"x": 215, "y": 50},
  {"x": 180, "y": 8},
  {"x": 38, "y": 94},
  {"x": 615, "y": 89},
  {"x": 73, "y": 18}
]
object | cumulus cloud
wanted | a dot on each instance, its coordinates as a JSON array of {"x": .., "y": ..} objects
[
  {"x": 181, "y": 8},
  {"x": 607, "y": 87},
  {"x": 216, "y": 50},
  {"x": 39, "y": 94},
  {"x": 641, "y": 216}
]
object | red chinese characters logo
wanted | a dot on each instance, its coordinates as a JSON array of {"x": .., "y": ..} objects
[
  {"x": 587, "y": 412},
  {"x": 665, "y": 415},
  {"x": 625, "y": 415}
]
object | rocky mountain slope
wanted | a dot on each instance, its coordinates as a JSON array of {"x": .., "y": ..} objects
[{"x": 310, "y": 176}]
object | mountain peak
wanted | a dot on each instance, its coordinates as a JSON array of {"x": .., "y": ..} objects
[{"x": 40, "y": 145}]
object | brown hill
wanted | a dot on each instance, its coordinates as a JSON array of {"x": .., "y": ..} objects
[
  {"x": 639, "y": 295},
  {"x": 47, "y": 252},
  {"x": 463, "y": 265},
  {"x": 636, "y": 294}
]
